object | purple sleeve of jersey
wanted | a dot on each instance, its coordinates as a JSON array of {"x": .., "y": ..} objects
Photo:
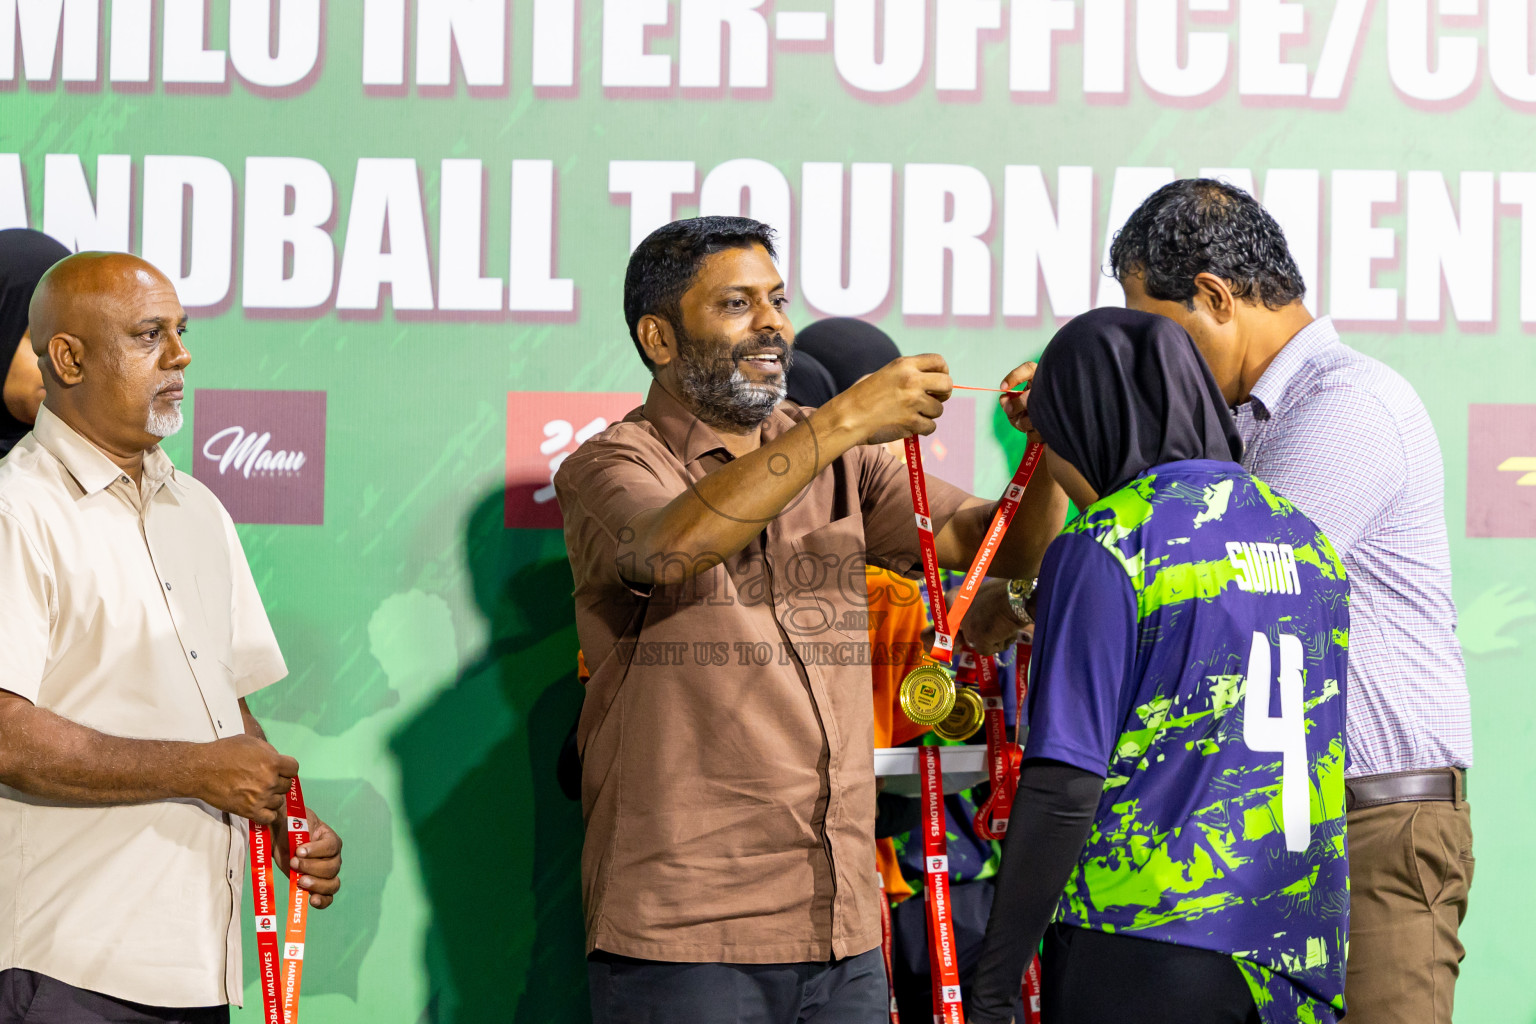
[{"x": 1085, "y": 647}]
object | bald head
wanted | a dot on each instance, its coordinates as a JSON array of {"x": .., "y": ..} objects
[
  {"x": 106, "y": 327},
  {"x": 80, "y": 290}
]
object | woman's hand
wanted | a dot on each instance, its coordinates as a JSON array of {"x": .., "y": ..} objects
[{"x": 1016, "y": 403}]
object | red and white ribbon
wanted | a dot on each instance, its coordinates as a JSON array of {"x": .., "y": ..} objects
[
  {"x": 1023, "y": 654},
  {"x": 281, "y": 976},
  {"x": 945, "y": 627},
  {"x": 1032, "y": 993},
  {"x": 1003, "y": 758},
  {"x": 943, "y": 954},
  {"x": 1003, "y": 762}
]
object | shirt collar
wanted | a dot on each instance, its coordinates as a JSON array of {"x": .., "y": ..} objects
[
  {"x": 89, "y": 465},
  {"x": 689, "y": 437},
  {"x": 158, "y": 467},
  {"x": 1293, "y": 355}
]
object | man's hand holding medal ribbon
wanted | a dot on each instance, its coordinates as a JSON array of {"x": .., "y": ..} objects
[
  {"x": 928, "y": 694},
  {"x": 246, "y": 776}
]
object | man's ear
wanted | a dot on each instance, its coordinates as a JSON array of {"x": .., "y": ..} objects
[
  {"x": 657, "y": 339},
  {"x": 1214, "y": 296},
  {"x": 64, "y": 358}
]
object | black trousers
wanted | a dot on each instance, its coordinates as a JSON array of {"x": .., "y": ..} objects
[
  {"x": 1090, "y": 977},
  {"x": 630, "y": 991},
  {"x": 27, "y": 997}
]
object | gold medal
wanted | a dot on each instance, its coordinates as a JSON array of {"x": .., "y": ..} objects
[
  {"x": 965, "y": 718},
  {"x": 928, "y": 694}
]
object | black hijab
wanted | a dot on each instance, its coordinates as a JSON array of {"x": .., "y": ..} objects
[
  {"x": 848, "y": 348},
  {"x": 808, "y": 382},
  {"x": 24, "y": 257},
  {"x": 1118, "y": 392}
]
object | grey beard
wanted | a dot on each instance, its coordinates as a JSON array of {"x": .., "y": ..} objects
[
  {"x": 164, "y": 424},
  {"x": 722, "y": 396}
]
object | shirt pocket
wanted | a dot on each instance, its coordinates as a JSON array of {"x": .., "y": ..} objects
[
  {"x": 215, "y": 604},
  {"x": 822, "y": 589},
  {"x": 214, "y": 667}
]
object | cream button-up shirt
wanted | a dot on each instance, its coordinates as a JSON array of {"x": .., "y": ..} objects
[{"x": 130, "y": 610}]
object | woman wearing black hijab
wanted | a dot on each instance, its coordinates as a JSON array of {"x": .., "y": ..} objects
[
  {"x": 848, "y": 348},
  {"x": 1186, "y": 841},
  {"x": 24, "y": 257},
  {"x": 807, "y": 382}
]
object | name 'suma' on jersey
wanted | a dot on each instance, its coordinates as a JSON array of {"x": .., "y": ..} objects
[{"x": 1264, "y": 568}]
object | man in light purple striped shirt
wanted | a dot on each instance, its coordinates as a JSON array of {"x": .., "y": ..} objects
[{"x": 1348, "y": 441}]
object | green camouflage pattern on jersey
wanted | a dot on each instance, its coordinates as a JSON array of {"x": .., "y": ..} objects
[{"x": 1188, "y": 845}]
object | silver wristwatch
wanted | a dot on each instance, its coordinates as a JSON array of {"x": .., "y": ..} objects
[{"x": 1021, "y": 599}]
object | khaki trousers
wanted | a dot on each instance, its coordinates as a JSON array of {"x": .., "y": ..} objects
[{"x": 1410, "y": 869}]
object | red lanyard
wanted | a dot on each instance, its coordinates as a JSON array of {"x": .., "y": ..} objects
[
  {"x": 1003, "y": 762},
  {"x": 1022, "y": 655},
  {"x": 943, "y": 956},
  {"x": 1032, "y": 993},
  {"x": 887, "y": 945},
  {"x": 264, "y": 894},
  {"x": 942, "y": 951},
  {"x": 943, "y": 626},
  {"x": 1003, "y": 758}
]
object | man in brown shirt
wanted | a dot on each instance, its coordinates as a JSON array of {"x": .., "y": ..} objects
[{"x": 718, "y": 542}]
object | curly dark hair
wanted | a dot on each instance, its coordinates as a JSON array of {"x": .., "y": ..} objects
[
  {"x": 663, "y": 266},
  {"x": 1200, "y": 225}
]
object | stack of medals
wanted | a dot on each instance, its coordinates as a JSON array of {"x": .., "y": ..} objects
[
  {"x": 966, "y": 717},
  {"x": 929, "y": 695}
]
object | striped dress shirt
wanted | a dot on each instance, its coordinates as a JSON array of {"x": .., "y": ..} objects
[{"x": 1349, "y": 442}]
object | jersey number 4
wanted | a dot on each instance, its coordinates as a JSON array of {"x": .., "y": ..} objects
[{"x": 1285, "y": 735}]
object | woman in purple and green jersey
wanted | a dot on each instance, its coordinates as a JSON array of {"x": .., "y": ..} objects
[{"x": 1177, "y": 847}]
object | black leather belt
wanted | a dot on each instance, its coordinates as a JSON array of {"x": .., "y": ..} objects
[{"x": 1403, "y": 787}]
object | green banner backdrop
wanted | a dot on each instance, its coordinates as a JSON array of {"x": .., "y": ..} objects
[{"x": 401, "y": 230}]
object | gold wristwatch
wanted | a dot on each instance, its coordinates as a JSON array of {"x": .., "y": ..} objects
[{"x": 1021, "y": 599}]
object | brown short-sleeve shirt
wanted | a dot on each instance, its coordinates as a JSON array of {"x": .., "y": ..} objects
[{"x": 727, "y": 733}]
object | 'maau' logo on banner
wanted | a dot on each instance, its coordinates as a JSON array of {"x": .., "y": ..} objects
[{"x": 262, "y": 453}]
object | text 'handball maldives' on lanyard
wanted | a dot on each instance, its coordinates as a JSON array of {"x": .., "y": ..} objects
[
  {"x": 928, "y": 692},
  {"x": 280, "y": 1003}
]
